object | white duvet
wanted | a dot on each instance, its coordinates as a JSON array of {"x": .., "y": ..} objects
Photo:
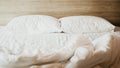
[
  {"x": 58, "y": 50},
  {"x": 20, "y": 49}
]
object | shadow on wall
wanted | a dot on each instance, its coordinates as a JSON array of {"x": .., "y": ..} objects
[
  {"x": 108, "y": 9},
  {"x": 117, "y": 8}
]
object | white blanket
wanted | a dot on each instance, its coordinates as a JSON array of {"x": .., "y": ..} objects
[
  {"x": 20, "y": 50},
  {"x": 106, "y": 54}
]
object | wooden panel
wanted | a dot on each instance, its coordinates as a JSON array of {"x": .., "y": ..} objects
[{"x": 108, "y": 9}]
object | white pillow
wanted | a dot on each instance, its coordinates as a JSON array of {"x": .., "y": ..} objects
[
  {"x": 85, "y": 24},
  {"x": 34, "y": 24}
]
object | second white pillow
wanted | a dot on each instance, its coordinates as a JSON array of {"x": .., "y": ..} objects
[{"x": 85, "y": 24}]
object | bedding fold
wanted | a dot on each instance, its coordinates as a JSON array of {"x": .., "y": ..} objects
[
  {"x": 104, "y": 55},
  {"x": 58, "y": 50},
  {"x": 21, "y": 50}
]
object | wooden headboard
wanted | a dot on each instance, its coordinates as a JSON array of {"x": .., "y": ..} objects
[{"x": 108, "y": 9}]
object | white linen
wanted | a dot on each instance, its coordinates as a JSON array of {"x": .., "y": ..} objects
[
  {"x": 85, "y": 24},
  {"x": 105, "y": 55},
  {"x": 20, "y": 50},
  {"x": 93, "y": 36},
  {"x": 34, "y": 24}
]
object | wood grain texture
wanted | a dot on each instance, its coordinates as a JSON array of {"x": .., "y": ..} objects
[{"x": 108, "y": 9}]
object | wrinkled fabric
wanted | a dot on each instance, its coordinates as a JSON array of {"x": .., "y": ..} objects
[
  {"x": 57, "y": 50},
  {"x": 21, "y": 50},
  {"x": 104, "y": 55}
]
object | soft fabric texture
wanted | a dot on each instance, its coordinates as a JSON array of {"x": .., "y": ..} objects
[
  {"x": 109, "y": 50},
  {"x": 21, "y": 50},
  {"x": 58, "y": 50},
  {"x": 93, "y": 36},
  {"x": 85, "y": 24},
  {"x": 105, "y": 54},
  {"x": 34, "y": 24}
]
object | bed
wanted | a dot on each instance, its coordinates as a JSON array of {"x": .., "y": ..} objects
[{"x": 41, "y": 41}]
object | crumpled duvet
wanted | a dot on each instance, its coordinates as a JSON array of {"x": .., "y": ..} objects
[
  {"x": 58, "y": 50},
  {"x": 106, "y": 54}
]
